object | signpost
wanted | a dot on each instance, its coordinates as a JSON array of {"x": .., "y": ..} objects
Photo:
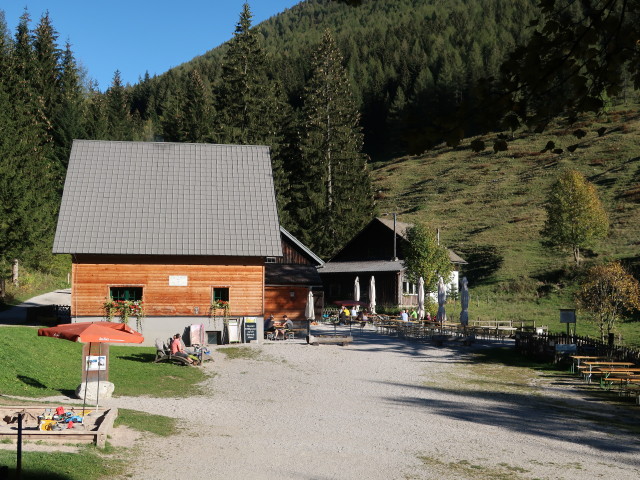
[{"x": 568, "y": 316}]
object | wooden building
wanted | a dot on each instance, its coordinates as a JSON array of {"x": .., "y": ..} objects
[
  {"x": 376, "y": 251},
  {"x": 289, "y": 278},
  {"x": 175, "y": 227}
]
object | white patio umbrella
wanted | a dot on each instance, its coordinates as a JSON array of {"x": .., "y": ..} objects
[
  {"x": 442, "y": 298},
  {"x": 356, "y": 292},
  {"x": 421, "y": 298},
  {"x": 464, "y": 302},
  {"x": 372, "y": 295},
  {"x": 309, "y": 310}
]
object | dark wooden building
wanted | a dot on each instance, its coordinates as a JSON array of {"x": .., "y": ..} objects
[
  {"x": 289, "y": 278},
  {"x": 375, "y": 251}
]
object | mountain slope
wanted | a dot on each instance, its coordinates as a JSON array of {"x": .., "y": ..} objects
[{"x": 490, "y": 199}]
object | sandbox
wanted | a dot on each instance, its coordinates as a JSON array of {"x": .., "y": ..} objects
[{"x": 94, "y": 428}]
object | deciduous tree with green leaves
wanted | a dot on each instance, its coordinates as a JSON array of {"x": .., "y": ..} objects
[
  {"x": 609, "y": 292},
  {"x": 423, "y": 257},
  {"x": 575, "y": 215}
]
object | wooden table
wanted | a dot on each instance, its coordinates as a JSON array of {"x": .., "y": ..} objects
[
  {"x": 577, "y": 358},
  {"x": 603, "y": 364}
]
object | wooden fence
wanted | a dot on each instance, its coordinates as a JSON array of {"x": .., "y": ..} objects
[{"x": 543, "y": 347}]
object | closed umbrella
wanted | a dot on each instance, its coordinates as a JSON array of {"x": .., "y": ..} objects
[
  {"x": 372, "y": 295},
  {"x": 464, "y": 302},
  {"x": 93, "y": 332},
  {"x": 442, "y": 298},
  {"x": 356, "y": 290},
  {"x": 309, "y": 311},
  {"x": 421, "y": 298}
]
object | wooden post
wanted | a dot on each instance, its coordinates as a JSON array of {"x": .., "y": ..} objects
[
  {"x": 19, "y": 448},
  {"x": 14, "y": 272},
  {"x": 2, "y": 290}
]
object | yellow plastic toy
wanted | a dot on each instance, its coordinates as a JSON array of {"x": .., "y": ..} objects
[{"x": 47, "y": 424}]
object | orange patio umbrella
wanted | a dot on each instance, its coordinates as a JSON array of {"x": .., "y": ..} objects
[{"x": 93, "y": 332}]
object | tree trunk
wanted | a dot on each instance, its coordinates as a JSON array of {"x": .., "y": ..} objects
[
  {"x": 14, "y": 272},
  {"x": 576, "y": 255}
]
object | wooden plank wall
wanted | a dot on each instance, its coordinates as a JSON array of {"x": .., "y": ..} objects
[
  {"x": 291, "y": 254},
  {"x": 278, "y": 302},
  {"x": 244, "y": 276}
]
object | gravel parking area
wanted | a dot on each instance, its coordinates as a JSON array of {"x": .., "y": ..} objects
[{"x": 383, "y": 408}]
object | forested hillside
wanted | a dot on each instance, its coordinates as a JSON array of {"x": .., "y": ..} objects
[
  {"x": 410, "y": 61},
  {"x": 337, "y": 92},
  {"x": 404, "y": 62}
]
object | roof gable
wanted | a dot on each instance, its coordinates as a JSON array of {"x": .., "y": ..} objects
[
  {"x": 375, "y": 243},
  {"x": 144, "y": 198},
  {"x": 300, "y": 247}
]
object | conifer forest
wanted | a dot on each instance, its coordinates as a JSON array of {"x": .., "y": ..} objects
[{"x": 332, "y": 89}]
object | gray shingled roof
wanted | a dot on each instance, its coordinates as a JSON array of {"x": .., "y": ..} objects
[
  {"x": 362, "y": 266},
  {"x": 142, "y": 198},
  {"x": 291, "y": 274}
]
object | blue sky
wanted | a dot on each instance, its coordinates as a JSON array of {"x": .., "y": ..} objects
[{"x": 136, "y": 36}]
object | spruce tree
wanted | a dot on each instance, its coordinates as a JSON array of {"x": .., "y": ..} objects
[
  {"x": 198, "y": 109},
  {"x": 251, "y": 106},
  {"x": 332, "y": 196},
  {"x": 246, "y": 97},
  {"x": 172, "y": 121},
  {"x": 95, "y": 114},
  {"x": 119, "y": 121},
  {"x": 30, "y": 196},
  {"x": 69, "y": 117}
]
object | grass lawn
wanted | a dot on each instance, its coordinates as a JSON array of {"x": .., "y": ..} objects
[{"x": 89, "y": 464}]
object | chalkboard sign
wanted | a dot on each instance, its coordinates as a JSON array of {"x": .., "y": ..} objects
[{"x": 250, "y": 331}]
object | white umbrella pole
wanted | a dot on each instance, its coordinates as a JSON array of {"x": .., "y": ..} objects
[
  {"x": 86, "y": 382},
  {"x": 98, "y": 387}
]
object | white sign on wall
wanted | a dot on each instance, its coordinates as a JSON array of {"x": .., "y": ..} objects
[{"x": 177, "y": 280}]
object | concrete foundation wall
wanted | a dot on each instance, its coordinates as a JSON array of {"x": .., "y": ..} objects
[{"x": 165, "y": 327}]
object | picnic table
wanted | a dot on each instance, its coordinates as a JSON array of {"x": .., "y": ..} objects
[
  {"x": 577, "y": 358},
  {"x": 601, "y": 364}
]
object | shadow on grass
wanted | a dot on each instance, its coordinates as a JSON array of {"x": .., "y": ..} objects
[
  {"x": 32, "y": 475},
  {"x": 138, "y": 357},
  {"x": 32, "y": 382}
]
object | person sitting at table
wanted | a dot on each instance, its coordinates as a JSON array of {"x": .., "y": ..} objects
[
  {"x": 404, "y": 316},
  {"x": 268, "y": 324},
  {"x": 285, "y": 325},
  {"x": 362, "y": 318},
  {"x": 428, "y": 317},
  {"x": 414, "y": 314}
]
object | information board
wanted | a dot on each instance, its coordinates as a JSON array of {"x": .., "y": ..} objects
[
  {"x": 178, "y": 280},
  {"x": 567, "y": 315}
]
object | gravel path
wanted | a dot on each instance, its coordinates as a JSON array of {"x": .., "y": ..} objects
[{"x": 381, "y": 408}]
